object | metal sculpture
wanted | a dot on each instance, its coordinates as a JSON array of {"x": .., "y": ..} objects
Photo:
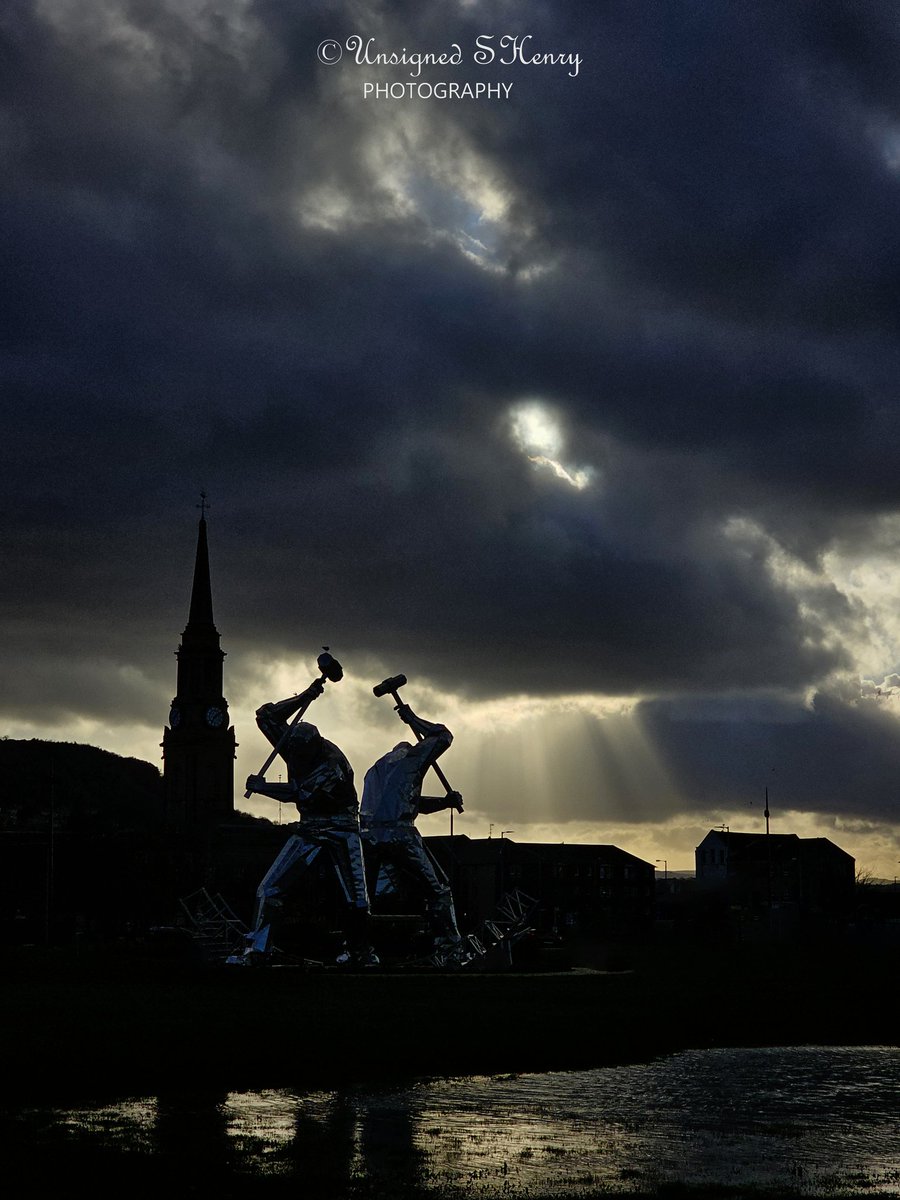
[
  {"x": 320, "y": 783},
  {"x": 391, "y": 801}
]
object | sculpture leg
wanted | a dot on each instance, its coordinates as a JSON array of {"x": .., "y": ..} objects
[
  {"x": 296, "y": 856},
  {"x": 381, "y": 876},
  {"x": 345, "y": 846},
  {"x": 409, "y": 853}
]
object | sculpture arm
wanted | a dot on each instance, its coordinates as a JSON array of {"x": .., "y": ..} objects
[
  {"x": 433, "y": 804},
  {"x": 425, "y": 753},
  {"x": 435, "y": 738},
  {"x": 424, "y": 729},
  {"x": 275, "y": 791},
  {"x": 272, "y": 719}
]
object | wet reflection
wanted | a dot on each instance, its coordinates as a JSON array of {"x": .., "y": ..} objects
[
  {"x": 327, "y": 1139},
  {"x": 822, "y": 1121},
  {"x": 192, "y": 1132},
  {"x": 324, "y": 1148},
  {"x": 389, "y": 1153}
]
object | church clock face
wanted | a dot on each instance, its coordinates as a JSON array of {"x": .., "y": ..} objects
[
  {"x": 214, "y": 717},
  {"x": 174, "y": 717}
]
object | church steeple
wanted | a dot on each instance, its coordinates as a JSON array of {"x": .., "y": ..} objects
[
  {"x": 200, "y": 617},
  {"x": 199, "y": 744},
  {"x": 201, "y": 614},
  {"x": 199, "y": 655}
]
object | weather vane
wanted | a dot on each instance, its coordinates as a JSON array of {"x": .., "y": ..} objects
[{"x": 203, "y": 506}]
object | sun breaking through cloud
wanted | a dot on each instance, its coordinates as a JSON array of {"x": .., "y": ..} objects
[{"x": 537, "y": 432}]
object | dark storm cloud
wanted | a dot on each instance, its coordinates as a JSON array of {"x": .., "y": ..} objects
[
  {"x": 834, "y": 757},
  {"x": 698, "y": 758},
  {"x": 225, "y": 269},
  {"x": 52, "y": 685}
]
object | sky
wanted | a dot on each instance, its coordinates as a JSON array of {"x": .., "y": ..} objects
[{"x": 543, "y": 352}]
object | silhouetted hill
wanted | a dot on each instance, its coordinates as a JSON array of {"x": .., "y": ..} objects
[
  {"x": 107, "y": 862},
  {"x": 90, "y": 790}
]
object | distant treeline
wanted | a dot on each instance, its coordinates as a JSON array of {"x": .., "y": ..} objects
[
  {"x": 85, "y": 849},
  {"x": 85, "y": 789}
]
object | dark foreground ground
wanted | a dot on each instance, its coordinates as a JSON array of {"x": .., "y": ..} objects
[
  {"x": 104, "y": 1024},
  {"x": 114, "y": 1021}
]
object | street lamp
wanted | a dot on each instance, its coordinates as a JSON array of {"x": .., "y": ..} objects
[{"x": 665, "y": 863}]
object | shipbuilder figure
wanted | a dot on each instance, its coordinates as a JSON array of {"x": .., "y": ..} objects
[
  {"x": 320, "y": 783},
  {"x": 391, "y": 801}
]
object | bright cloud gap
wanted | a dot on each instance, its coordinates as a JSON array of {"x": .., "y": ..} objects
[{"x": 536, "y": 431}]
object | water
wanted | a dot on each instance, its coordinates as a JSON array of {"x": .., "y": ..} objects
[{"x": 814, "y": 1121}]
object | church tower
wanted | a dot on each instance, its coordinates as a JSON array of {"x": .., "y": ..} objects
[{"x": 198, "y": 743}]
